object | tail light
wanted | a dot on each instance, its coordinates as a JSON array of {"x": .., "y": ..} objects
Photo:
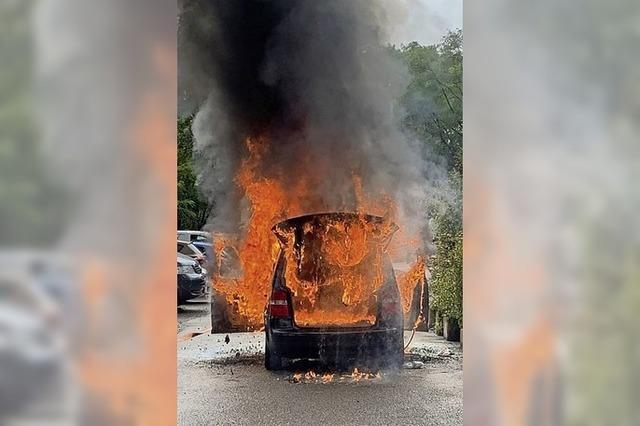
[{"x": 279, "y": 304}]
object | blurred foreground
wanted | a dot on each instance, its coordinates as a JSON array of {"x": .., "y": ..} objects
[
  {"x": 87, "y": 212},
  {"x": 551, "y": 236}
]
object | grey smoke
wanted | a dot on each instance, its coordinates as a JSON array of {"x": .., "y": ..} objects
[{"x": 314, "y": 77}]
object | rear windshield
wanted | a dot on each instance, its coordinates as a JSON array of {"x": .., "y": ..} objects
[{"x": 333, "y": 268}]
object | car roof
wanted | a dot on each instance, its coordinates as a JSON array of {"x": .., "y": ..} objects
[{"x": 204, "y": 233}]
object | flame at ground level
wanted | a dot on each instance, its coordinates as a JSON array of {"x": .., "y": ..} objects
[{"x": 353, "y": 377}]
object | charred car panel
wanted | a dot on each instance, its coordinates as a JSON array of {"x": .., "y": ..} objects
[{"x": 378, "y": 342}]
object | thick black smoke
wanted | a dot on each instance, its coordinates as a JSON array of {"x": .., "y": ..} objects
[
  {"x": 312, "y": 76},
  {"x": 226, "y": 42}
]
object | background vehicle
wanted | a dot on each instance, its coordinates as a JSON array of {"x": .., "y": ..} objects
[
  {"x": 32, "y": 344},
  {"x": 191, "y": 236},
  {"x": 378, "y": 343},
  {"x": 192, "y": 251},
  {"x": 206, "y": 249},
  {"x": 41, "y": 325},
  {"x": 192, "y": 282}
]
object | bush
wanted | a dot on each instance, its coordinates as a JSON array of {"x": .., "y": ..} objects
[
  {"x": 432, "y": 107},
  {"x": 446, "y": 268}
]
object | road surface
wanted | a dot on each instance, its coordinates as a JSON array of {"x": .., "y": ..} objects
[{"x": 225, "y": 383}]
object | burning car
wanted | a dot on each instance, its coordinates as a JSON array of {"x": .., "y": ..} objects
[{"x": 334, "y": 296}]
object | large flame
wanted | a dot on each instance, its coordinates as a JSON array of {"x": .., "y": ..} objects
[
  {"x": 407, "y": 282},
  {"x": 342, "y": 293},
  {"x": 334, "y": 267}
]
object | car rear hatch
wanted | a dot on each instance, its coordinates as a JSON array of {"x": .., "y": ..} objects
[{"x": 335, "y": 267}]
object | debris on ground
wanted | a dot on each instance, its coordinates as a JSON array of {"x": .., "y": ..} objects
[
  {"x": 444, "y": 353},
  {"x": 413, "y": 365},
  {"x": 434, "y": 353},
  {"x": 346, "y": 377}
]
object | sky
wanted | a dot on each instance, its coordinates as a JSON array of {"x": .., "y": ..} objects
[{"x": 424, "y": 21}]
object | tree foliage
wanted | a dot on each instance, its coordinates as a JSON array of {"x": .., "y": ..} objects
[
  {"x": 433, "y": 99},
  {"x": 193, "y": 211},
  {"x": 432, "y": 107},
  {"x": 33, "y": 205},
  {"x": 446, "y": 268}
]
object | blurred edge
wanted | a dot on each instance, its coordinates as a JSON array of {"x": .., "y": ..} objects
[
  {"x": 551, "y": 242},
  {"x": 87, "y": 212},
  {"x": 551, "y": 236}
]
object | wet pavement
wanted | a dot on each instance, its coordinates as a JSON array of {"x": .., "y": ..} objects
[
  {"x": 226, "y": 383},
  {"x": 194, "y": 316}
]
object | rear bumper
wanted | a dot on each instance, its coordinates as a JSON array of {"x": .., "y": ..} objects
[{"x": 336, "y": 345}]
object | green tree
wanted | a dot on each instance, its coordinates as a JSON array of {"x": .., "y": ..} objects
[
  {"x": 193, "y": 211},
  {"x": 433, "y": 99},
  {"x": 432, "y": 106}
]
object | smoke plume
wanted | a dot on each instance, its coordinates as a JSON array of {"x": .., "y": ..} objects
[{"x": 316, "y": 80}]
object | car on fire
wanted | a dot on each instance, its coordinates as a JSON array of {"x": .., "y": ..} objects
[{"x": 315, "y": 312}]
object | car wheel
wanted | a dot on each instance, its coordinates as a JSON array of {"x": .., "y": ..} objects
[{"x": 272, "y": 362}]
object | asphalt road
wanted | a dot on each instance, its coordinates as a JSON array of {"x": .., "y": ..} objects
[{"x": 225, "y": 383}]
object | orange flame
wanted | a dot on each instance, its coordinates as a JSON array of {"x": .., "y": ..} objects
[
  {"x": 407, "y": 282},
  {"x": 353, "y": 377},
  {"x": 352, "y": 253}
]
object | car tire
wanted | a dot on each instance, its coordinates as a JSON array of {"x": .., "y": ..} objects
[{"x": 272, "y": 362}]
